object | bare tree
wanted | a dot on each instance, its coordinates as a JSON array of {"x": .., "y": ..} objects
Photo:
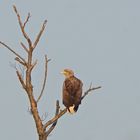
[{"x": 43, "y": 129}]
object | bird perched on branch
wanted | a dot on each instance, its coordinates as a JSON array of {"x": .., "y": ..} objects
[{"x": 72, "y": 91}]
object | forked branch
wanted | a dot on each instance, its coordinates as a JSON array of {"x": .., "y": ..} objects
[
  {"x": 14, "y": 52},
  {"x": 62, "y": 112},
  {"x": 55, "y": 122},
  {"x": 23, "y": 25}
]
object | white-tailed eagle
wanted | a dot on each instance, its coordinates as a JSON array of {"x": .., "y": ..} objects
[{"x": 72, "y": 91}]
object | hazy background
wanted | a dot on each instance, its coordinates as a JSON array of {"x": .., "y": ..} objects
[{"x": 100, "y": 41}]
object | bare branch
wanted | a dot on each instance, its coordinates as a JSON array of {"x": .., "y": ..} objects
[
  {"x": 54, "y": 119},
  {"x": 27, "y": 19},
  {"x": 45, "y": 78},
  {"x": 21, "y": 79},
  {"x": 28, "y": 81},
  {"x": 34, "y": 64},
  {"x": 11, "y": 50},
  {"x": 22, "y": 69},
  {"x": 24, "y": 47},
  {"x": 62, "y": 112},
  {"x": 89, "y": 90},
  {"x": 20, "y": 61},
  {"x": 39, "y": 34},
  {"x": 54, "y": 123},
  {"x": 22, "y": 27}
]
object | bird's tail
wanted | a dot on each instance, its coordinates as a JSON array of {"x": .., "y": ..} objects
[{"x": 72, "y": 109}]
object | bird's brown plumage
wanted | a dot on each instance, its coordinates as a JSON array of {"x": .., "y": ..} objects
[{"x": 72, "y": 91}]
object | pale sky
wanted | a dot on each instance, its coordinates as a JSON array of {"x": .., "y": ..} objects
[{"x": 100, "y": 41}]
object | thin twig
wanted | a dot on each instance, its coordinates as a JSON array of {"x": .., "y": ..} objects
[
  {"x": 20, "y": 79},
  {"x": 54, "y": 123},
  {"x": 22, "y": 69},
  {"x": 39, "y": 34},
  {"x": 34, "y": 64},
  {"x": 22, "y": 27},
  {"x": 62, "y": 112},
  {"x": 45, "y": 78},
  {"x": 15, "y": 53},
  {"x": 89, "y": 90},
  {"x": 27, "y": 19},
  {"x": 24, "y": 47},
  {"x": 20, "y": 61}
]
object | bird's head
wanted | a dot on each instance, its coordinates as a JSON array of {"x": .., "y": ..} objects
[{"x": 67, "y": 73}]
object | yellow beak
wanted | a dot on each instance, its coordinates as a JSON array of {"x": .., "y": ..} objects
[{"x": 63, "y": 72}]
